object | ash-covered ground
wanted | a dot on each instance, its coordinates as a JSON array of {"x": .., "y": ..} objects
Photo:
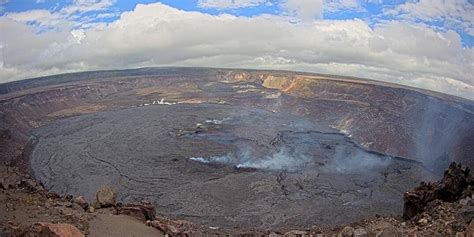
[{"x": 223, "y": 165}]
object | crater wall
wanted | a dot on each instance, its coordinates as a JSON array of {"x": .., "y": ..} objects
[{"x": 392, "y": 119}]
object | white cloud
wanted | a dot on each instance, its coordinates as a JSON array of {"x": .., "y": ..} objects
[
  {"x": 305, "y": 9},
  {"x": 87, "y": 6},
  {"x": 313, "y": 9},
  {"x": 156, "y": 34},
  {"x": 66, "y": 18},
  {"x": 105, "y": 15},
  {"x": 339, "y": 5},
  {"x": 43, "y": 19},
  {"x": 455, "y": 13},
  {"x": 231, "y": 4}
]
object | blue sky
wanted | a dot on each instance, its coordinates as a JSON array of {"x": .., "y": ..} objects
[
  {"x": 370, "y": 11},
  {"x": 422, "y": 43}
]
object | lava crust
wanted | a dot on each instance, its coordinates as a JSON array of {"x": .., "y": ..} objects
[{"x": 235, "y": 148}]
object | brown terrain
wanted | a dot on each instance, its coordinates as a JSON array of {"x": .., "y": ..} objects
[{"x": 166, "y": 148}]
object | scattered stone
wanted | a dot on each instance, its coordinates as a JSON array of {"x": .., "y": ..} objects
[
  {"x": 465, "y": 201},
  {"x": 56, "y": 230},
  {"x": 360, "y": 232},
  {"x": 346, "y": 232},
  {"x": 53, "y": 195},
  {"x": 166, "y": 228},
  {"x": 273, "y": 234},
  {"x": 81, "y": 201},
  {"x": 29, "y": 185},
  {"x": 76, "y": 207},
  {"x": 105, "y": 197},
  {"x": 296, "y": 233},
  {"x": 11, "y": 178},
  {"x": 66, "y": 212},
  {"x": 9, "y": 207},
  {"x": 423, "y": 221},
  {"x": 389, "y": 231},
  {"x": 466, "y": 213},
  {"x": 10, "y": 181},
  {"x": 91, "y": 209},
  {"x": 142, "y": 211}
]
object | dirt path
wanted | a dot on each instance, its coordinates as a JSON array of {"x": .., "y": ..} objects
[{"x": 108, "y": 224}]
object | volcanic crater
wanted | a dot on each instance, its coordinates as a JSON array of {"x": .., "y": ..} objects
[{"x": 235, "y": 148}]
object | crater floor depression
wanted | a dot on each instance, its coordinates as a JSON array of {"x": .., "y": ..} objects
[{"x": 222, "y": 165}]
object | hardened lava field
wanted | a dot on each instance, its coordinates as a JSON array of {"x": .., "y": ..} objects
[
  {"x": 244, "y": 167},
  {"x": 236, "y": 148}
]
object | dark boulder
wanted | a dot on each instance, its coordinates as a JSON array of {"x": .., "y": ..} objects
[{"x": 452, "y": 187}]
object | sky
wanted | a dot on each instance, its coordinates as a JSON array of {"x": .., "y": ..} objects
[{"x": 426, "y": 43}]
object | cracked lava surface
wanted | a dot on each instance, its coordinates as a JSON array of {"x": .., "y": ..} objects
[{"x": 221, "y": 165}]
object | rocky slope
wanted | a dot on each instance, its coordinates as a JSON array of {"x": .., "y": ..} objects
[{"x": 28, "y": 210}]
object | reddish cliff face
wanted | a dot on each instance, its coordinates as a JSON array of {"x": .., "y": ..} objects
[{"x": 391, "y": 119}]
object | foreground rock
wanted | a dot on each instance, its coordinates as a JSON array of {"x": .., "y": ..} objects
[
  {"x": 81, "y": 201},
  {"x": 28, "y": 213},
  {"x": 105, "y": 197},
  {"x": 346, "y": 232},
  {"x": 43, "y": 229},
  {"x": 12, "y": 178},
  {"x": 360, "y": 232},
  {"x": 456, "y": 183}
]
